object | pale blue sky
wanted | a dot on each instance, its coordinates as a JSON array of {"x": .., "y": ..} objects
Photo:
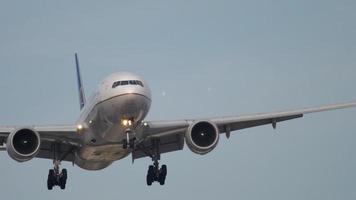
[{"x": 210, "y": 58}]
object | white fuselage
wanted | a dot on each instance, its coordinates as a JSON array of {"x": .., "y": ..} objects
[{"x": 120, "y": 96}]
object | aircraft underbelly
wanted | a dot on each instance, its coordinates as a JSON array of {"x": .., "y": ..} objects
[{"x": 99, "y": 157}]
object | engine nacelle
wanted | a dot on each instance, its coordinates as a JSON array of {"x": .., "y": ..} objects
[
  {"x": 202, "y": 137},
  {"x": 23, "y": 144}
]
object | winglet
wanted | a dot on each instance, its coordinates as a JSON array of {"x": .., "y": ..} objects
[{"x": 80, "y": 84}]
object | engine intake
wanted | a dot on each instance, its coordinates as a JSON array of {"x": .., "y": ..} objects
[
  {"x": 23, "y": 144},
  {"x": 202, "y": 137}
]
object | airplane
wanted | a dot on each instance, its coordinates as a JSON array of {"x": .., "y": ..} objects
[{"x": 112, "y": 126}]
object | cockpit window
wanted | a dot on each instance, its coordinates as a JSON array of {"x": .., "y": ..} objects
[
  {"x": 128, "y": 82},
  {"x": 124, "y": 82},
  {"x": 139, "y": 83},
  {"x": 117, "y": 83}
]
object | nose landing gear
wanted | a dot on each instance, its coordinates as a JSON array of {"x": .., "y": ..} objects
[{"x": 129, "y": 142}]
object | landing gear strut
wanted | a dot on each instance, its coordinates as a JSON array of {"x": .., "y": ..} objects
[
  {"x": 55, "y": 177},
  {"x": 128, "y": 142},
  {"x": 155, "y": 173}
]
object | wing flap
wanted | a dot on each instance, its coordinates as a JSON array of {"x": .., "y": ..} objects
[
  {"x": 60, "y": 134},
  {"x": 227, "y": 124},
  {"x": 171, "y": 133},
  {"x": 234, "y": 126},
  {"x": 165, "y": 128},
  {"x": 166, "y": 144},
  {"x": 65, "y": 151}
]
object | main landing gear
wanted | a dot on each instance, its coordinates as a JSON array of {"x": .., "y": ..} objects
[
  {"x": 55, "y": 177},
  {"x": 155, "y": 173}
]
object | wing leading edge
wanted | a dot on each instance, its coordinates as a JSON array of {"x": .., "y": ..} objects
[
  {"x": 177, "y": 129},
  {"x": 233, "y": 123},
  {"x": 227, "y": 124}
]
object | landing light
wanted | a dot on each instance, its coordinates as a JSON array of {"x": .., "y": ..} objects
[
  {"x": 126, "y": 122},
  {"x": 79, "y": 127}
]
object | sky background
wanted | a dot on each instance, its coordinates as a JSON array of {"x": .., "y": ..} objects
[{"x": 201, "y": 58}]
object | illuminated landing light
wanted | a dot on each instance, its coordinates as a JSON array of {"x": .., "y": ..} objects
[
  {"x": 79, "y": 128},
  {"x": 126, "y": 122}
]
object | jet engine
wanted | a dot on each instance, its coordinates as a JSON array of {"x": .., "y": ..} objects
[
  {"x": 202, "y": 137},
  {"x": 23, "y": 144}
]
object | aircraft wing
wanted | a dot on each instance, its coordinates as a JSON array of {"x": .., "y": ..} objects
[
  {"x": 172, "y": 132},
  {"x": 64, "y": 137}
]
